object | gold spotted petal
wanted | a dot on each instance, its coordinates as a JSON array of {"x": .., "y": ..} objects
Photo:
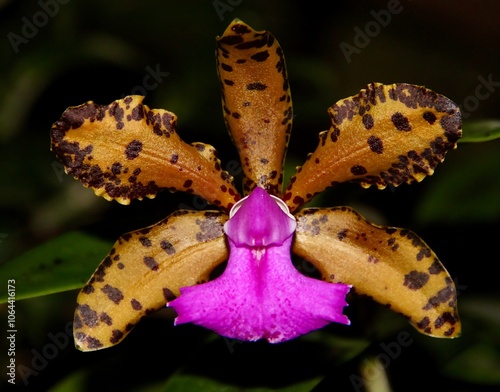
[
  {"x": 127, "y": 151},
  {"x": 394, "y": 266},
  {"x": 385, "y": 135},
  {"x": 256, "y": 103},
  {"x": 143, "y": 271}
]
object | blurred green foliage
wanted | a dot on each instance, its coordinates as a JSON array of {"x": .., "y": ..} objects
[{"x": 56, "y": 54}]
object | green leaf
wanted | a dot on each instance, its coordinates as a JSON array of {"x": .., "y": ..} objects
[
  {"x": 190, "y": 382},
  {"x": 64, "y": 263},
  {"x": 75, "y": 382},
  {"x": 465, "y": 188},
  {"x": 480, "y": 131}
]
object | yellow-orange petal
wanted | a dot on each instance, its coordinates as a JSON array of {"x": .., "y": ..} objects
[
  {"x": 143, "y": 271},
  {"x": 256, "y": 103},
  {"x": 393, "y": 266},
  {"x": 125, "y": 151},
  {"x": 385, "y": 135}
]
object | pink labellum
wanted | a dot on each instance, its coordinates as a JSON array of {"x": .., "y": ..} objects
[{"x": 261, "y": 294}]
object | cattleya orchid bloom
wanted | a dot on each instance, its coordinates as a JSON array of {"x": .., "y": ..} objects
[{"x": 385, "y": 135}]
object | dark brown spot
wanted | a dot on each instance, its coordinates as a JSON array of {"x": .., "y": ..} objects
[
  {"x": 400, "y": 122},
  {"x": 105, "y": 318},
  {"x": 200, "y": 147},
  {"x": 210, "y": 227},
  {"x": 442, "y": 296},
  {"x": 358, "y": 170},
  {"x": 445, "y": 318},
  {"x": 138, "y": 112},
  {"x": 126, "y": 237},
  {"x": 375, "y": 144},
  {"x": 89, "y": 316},
  {"x": 342, "y": 234},
  {"x": 423, "y": 252},
  {"x": 113, "y": 293},
  {"x": 151, "y": 263},
  {"x": 136, "y": 305},
  {"x": 116, "y": 336},
  {"x": 240, "y": 29},
  {"x": 168, "y": 295},
  {"x": 260, "y": 56},
  {"x": 334, "y": 135},
  {"x": 452, "y": 126},
  {"x": 373, "y": 259},
  {"x": 116, "y": 168},
  {"x": 167, "y": 247},
  {"x": 93, "y": 343},
  {"x": 133, "y": 149},
  {"x": 424, "y": 323},
  {"x": 415, "y": 280},
  {"x": 256, "y": 86},
  {"x": 77, "y": 322},
  {"x": 429, "y": 117},
  {"x": 368, "y": 121},
  {"x": 298, "y": 200},
  {"x": 436, "y": 267},
  {"x": 145, "y": 241}
]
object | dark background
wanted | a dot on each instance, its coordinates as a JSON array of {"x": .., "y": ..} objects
[{"x": 102, "y": 51}]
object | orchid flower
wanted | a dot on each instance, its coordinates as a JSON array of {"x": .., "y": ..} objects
[{"x": 384, "y": 136}]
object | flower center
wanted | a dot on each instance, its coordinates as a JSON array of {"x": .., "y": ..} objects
[
  {"x": 281, "y": 204},
  {"x": 260, "y": 220}
]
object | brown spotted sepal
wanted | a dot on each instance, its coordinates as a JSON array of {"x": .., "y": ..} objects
[
  {"x": 256, "y": 102},
  {"x": 385, "y": 135},
  {"x": 126, "y": 151},
  {"x": 143, "y": 271},
  {"x": 393, "y": 266}
]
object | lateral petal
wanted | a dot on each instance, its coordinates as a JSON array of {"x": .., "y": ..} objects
[
  {"x": 256, "y": 103},
  {"x": 143, "y": 271},
  {"x": 385, "y": 135},
  {"x": 127, "y": 151},
  {"x": 394, "y": 266}
]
